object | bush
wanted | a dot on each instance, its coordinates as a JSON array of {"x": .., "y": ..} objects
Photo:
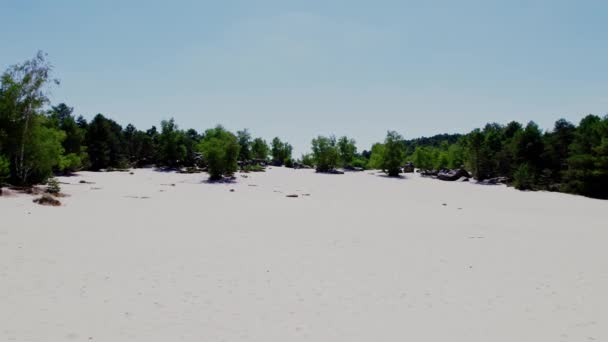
[
  {"x": 47, "y": 200},
  {"x": 523, "y": 178},
  {"x": 281, "y": 152},
  {"x": 308, "y": 160},
  {"x": 376, "y": 157},
  {"x": 253, "y": 168},
  {"x": 220, "y": 150},
  {"x": 394, "y": 153},
  {"x": 347, "y": 151},
  {"x": 325, "y": 153},
  {"x": 52, "y": 187},
  {"x": 359, "y": 162},
  {"x": 70, "y": 163}
]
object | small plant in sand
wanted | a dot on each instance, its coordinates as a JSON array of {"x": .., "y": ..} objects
[
  {"x": 47, "y": 199},
  {"x": 53, "y": 187},
  {"x": 253, "y": 168}
]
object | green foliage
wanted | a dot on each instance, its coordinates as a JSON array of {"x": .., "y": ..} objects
[
  {"x": 106, "y": 144},
  {"x": 5, "y": 169},
  {"x": 308, "y": 160},
  {"x": 27, "y": 138},
  {"x": 42, "y": 152},
  {"x": 587, "y": 171},
  {"x": 245, "y": 143},
  {"x": 220, "y": 150},
  {"x": 52, "y": 187},
  {"x": 347, "y": 151},
  {"x": 35, "y": 142},
  {"x": 424, "y": 157},
  {"x": 524, "y": 178},
  {"x": 360, "y": 162},
  {"x": 253, "y": 168},
  {"x": 281, "y": 152},
  {"x": 259, "y": 149},
  {"x": 70, "y": 162},
  {"x": 325, "y": 153},
  {"x": 477, "y": 155},
  {"x": 377, "y": 156},
  {"x": 171, "y": 144},
  {"x": 394, "y": 154},
  {"x": 455, "y": 155}
]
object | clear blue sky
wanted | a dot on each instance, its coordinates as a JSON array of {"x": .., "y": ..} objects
[{"x": 301, "y": 68}]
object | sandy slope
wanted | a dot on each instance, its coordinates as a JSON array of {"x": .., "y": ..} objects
[{"x": 364, "y": 258}]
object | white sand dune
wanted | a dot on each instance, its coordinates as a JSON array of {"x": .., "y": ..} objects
[{"x": 363, "y": 258}]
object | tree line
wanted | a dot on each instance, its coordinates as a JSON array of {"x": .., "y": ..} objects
[{"x": 36, "y": 142}]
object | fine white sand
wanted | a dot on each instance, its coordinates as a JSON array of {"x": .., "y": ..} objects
[{"x": 363, "y": 258}]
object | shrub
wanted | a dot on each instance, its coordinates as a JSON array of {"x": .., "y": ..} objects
[
  {"x": 253, "y": 168},
  {"x": 47, "y": 199},
  {"x": 523, "y": 178},
  {"x": 281, "y": 152},
  {"x": 308, "y": 160},
  {"x": 376, "y": 157},
  {"x": 347, "y": 151},
  {"x": 70, "y": 163},
  {"x": 52, "y": 187},
  {"x": 325, "y": 153},
  {"x": 393, "y": 154},
  {"x": 220, "y": 150},
  {"x": 259, "y": 149}
]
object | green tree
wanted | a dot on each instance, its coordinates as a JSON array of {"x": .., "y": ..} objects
[
  {"x": 394, "y": 154},
  {"x": 220, "y": 149},
  {"x": 42, "y": 153},
  {"x": 172, "y": 150},
  {"x": 23, "y": 127},
  {"x": 259, "y": 149},
  {"x": 376, "y": 157},
  {"x": 308, "y": 160},
  {"x": 455, "y": 155},
  {"x": 106, "y": 145},
  {"x": 281, "y": 152},
  {"x": 76, "y": 155},
  {"x": 244, "y": 139},
  {"x": 524, "y": 178},
  {"x": 556, "y": 144},
  {"x": 587, "y": 172},
  {"x": 347, "y": 151},
  {"x": 325, "y": 153},
  {"x": 424, "y": 157},
  {"x": 477, "y": 156}
]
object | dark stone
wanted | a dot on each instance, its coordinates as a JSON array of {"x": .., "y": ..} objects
[
  {"x": 428, "y": 173},
  {"x": 408, "y": 167},
  {"x": 494, "y": 181},
  {"x": 452, "y": 175}
]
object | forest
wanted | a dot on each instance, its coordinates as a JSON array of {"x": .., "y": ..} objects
[{"x": 39, "y": 139}]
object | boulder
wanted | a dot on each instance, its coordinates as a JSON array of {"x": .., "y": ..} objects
[
  {"x": 495, "y": 180},
  {"x": 408, "y": 167},
  {"x": 452, "y": 175},
  {"x": 428, "y": 173}
]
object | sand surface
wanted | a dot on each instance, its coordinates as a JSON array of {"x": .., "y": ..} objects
[{"x": 166, "y": 257}]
